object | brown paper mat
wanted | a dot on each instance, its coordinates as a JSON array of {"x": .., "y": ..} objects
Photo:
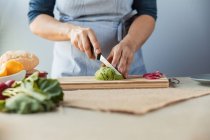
[{"x": 134, "y": 101}]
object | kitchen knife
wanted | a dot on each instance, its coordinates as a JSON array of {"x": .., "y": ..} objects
[{"x": 101, "y": 58}]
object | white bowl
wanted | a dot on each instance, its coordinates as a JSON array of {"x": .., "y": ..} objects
[{"x": 17, "y": 76}]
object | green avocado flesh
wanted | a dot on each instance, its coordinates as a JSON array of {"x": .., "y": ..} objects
[{"x": 106, "y": 73}]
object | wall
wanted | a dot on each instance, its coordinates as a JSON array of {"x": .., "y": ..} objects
[
  {"x": 178, "y": 47},
  {"x": 15, "y": 34}
]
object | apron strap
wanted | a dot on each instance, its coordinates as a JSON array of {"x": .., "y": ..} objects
[
  {"x": 124, "y": 25},
  {"x": 122, "y": 29}
]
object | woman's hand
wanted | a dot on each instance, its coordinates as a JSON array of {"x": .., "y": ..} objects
[
  {"x": 83, "y": 39},
  {"x": 122, "y": 55}
]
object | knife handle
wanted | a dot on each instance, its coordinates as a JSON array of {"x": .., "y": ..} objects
[{"x": 98, "y": 56}]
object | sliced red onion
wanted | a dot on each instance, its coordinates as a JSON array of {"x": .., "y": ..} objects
[
  {"x": 153, "y": 75},
  {"x": 3, "y": 86},
  {"x": 42, "y": 74}
]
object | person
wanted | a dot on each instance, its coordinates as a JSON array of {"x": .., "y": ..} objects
[{"x": 116, "y": 28}]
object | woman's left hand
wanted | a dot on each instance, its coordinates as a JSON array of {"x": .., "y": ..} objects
[{"x": 122, "y": 54}]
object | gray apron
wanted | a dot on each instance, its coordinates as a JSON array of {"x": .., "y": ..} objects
[{"x": 108, "y": 19}]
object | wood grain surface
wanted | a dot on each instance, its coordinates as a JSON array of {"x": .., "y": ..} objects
[{"x": 89, "y": 82}]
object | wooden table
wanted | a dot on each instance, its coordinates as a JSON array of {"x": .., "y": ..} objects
[{"x": 183, "y": 121}]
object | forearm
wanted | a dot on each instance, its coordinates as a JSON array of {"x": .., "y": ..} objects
[
  {"x": 49, "y": 28},
  {"x": 140, "y": 30}
]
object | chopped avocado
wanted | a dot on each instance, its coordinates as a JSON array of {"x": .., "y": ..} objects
[{"x": 106, "y": 73}]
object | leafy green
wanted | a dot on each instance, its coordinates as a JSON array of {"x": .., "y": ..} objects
[
  {"x": 2, "y": 105},
  {"x": 24, "y": 104},
  {"x": 33, "y": 94},
  {"x": 51, "y": 88}
]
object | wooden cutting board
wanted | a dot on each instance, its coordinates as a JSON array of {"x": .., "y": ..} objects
[{"x": 89, "y": 82}]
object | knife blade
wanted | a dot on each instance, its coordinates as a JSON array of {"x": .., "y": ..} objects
[{"x": 101, "y": 58}]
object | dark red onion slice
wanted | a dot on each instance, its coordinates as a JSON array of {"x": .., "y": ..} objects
[
  {"x": 153, "y": 75},
  {"x": 3, "y": 86},
  {"x": 42, "y": 74}
]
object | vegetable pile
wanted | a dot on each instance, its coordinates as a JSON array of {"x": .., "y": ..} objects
[
  {"x": 31, "y": 95},
  {"x": 106, "y": 73}
]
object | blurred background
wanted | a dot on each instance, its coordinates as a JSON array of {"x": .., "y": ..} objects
[{"x": 179, "y": 46}]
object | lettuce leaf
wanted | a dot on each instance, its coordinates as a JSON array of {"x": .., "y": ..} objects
[
  {"x": 51, "y": 88},
  {"x": 25, "y": 104},
  {"x": 33, "y": 94},
  {"x": 2, "y": 105}
]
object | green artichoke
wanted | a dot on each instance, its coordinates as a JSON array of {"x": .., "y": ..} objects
[{"x": 106, "y": 73}]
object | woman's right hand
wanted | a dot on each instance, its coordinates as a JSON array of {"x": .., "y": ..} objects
[{"x": 83, "y": 38}]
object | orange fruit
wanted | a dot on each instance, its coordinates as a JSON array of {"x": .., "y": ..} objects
[
  {"x": 3, "y": 71},
  {"x": 13, "y": 67}
]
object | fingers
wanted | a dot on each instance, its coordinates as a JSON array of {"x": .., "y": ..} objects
[
  {"x": 121, "y": 57},
  {"x": 122, "y": 63},
  {"x": 80, "y": 46},
  {"x": 117, "y": 52},
  {"x": 94, "y": 41},
  {"x": 75, "y": 43},
  {"x": 86, "y": 47},
  {"x": 83, "y": 39}
]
